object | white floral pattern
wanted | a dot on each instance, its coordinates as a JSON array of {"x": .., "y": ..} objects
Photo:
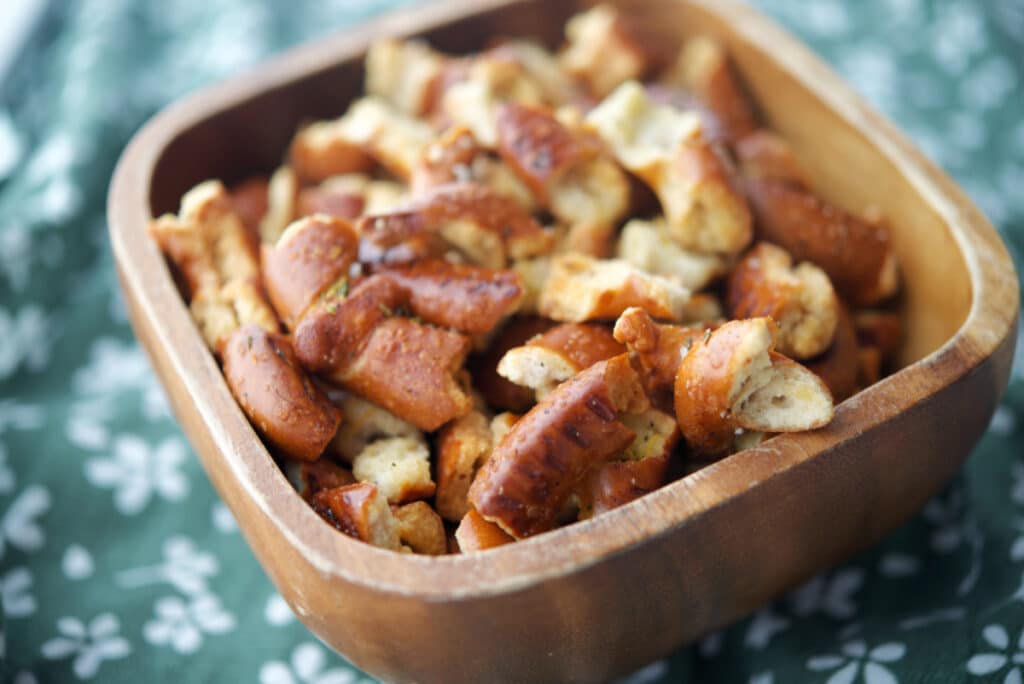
[
  {"x": 77, "y": 563},
  {"x": 87, "y": 644},
  {"x": 20, "y": 526},
  {"x": 307, "y": 665},
  {"x": 15, "y": 593},
  {"x": 855, "y": 659},
  {"x": 28, "y": 336},
  {"x": 185, "y": 567},
  {"x": 1003, "y": 655},
  {"x": 277, "y": 612},
  {"x": 182, "y": 624},
  {"x": 137, "y": 472}
]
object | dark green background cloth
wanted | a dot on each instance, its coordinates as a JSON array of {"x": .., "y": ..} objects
[{"x": 118, "y": 563}]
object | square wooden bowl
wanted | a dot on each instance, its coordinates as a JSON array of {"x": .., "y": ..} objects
[{"x": 602, "y": 597}]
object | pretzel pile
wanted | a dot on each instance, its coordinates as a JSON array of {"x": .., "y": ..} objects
[{"x": 515, "y": 289}]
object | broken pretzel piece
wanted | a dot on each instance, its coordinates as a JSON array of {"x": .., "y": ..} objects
[
  {"x": 473, "y": 102},
  {"x": 732, "y": 379},
  {"x": 362, "y": 342},
  {"x": 322, "y": 474},
  {"x": 648, "y": 246},
  {"x": 360, "y": 511},
  {"x": 641, "y": 468},
  {"x": 313, "y": 255},
  {"x": 838, "y": 366},
  {"x": 398, "y": 466},
  {"x": 556, "y": 87},
  {"x": 580, "y": 288},
  {"x": 487, "y": 227},
  {"x": 410, "y": 369},
  {"x": 567, "y": 170},
  {"x": 799, "y": 298},
  {"x": 659, "y": 349},
  {"x": 476, "y": 534},
  {"x": 324, "y": 149},
  {"x": 602, "y": 50},
  {"x": 420, "y": 528},
  {"x": 405, "y": 73},
  {"x": 212, "y": 251},
  {"x": 282, "y": 403},
  {"x": 704, "y": 69},
  {"x": 462, "y": 448},
  {"x": 704, "y": 209},
  {"x": 498, "y": 392},
  {"x": 553, "y": 357},
  {"x": 536, "y": 467},
  {"x": 365, "y": 422},
  {"x": 765, "y": 155},
  {"x": 282, "y": 200},
  {"x": 338, "y": 196},
  {"x": 457, "y": 157},
  {"x": 250, "y": 200},
  {"x": 394, "y": 140},
  {"x": 467, "y": 298}
]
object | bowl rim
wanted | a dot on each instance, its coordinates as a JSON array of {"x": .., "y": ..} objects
[{"x": 991, "y": 319}]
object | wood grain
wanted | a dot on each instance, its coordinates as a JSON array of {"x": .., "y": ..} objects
[{"x": 605, "y": 596}]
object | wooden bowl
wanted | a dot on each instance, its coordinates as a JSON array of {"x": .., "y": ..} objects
[{"x": 605, "y": 596}]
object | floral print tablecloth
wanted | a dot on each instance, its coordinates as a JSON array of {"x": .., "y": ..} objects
[{"x": 118, "y": 563}]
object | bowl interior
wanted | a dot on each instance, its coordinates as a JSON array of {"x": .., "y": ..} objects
[{"x": 250, "y": 136}]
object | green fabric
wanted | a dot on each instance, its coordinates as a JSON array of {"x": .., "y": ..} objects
[{"x": 119, "y": 563}]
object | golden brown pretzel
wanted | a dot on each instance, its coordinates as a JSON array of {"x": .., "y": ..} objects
[
  {"x": 565, "y": 168},
  {"x": 462, "y": 447},
  {"x": 659, "y": 349},
  {"x": 489, "y": 228},
  {"x": 398, "y": 466},
  {"x": 322, "y": 474},
  {"x": 363, "y": 343},
  {"x": 799, "y": 298},
  {"x": 704, "y": 208},
  {"x": 456, "y": 157},
  {"x": 648, "y": 246},
  {"x": 476, "y": 534},
  {"x": 334, "y": 330},
  {"x": 313, "y": 254},
  {"x": 603, "y": 50},
  {"x": 217, "y": 261},
  {"x": 359, "y": 511},
  {"x": 330, "y": 199},
  {"x": 410, "y": 369},
  {"x": 250, "y": 201},
  {"x": 642, "y": 468},
  {"x": 406, "y": 73},
  {"x": 765, "y": 155},
  {"x": 483, "y": 366},
  {"x": 274, "y": 392},
  {"x": 463, "y": 297},
  {"x": 540, "y": 66},
  {"x": 704, "y": 69},
  {"x": 365, "y": 422},
  {"x": 558, "y": 354},
  {"x": 856, "y": 255},
  {"x": 471, "y": 99},
  {"x": 732, "y": 379},
  {"x": 539, "y": 463},
  {"x": 580, "y": 288},
  {"x": 837, "y": 367},
  {"x": 420, "y": 528},
  {"x": 324, "y": 149}
]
